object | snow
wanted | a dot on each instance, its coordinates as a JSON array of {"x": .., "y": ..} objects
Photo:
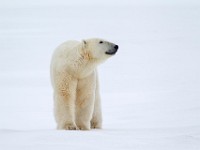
[{"x": 150, "y": 89}]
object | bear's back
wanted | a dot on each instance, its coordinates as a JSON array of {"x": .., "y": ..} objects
[
  {"x": 62, "y": 54},
  {"x": 65, "y": 48}
]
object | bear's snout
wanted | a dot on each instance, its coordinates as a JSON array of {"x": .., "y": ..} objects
[
  {"x": 116, "y": 47},
  {"x": 113, "y": 50}
]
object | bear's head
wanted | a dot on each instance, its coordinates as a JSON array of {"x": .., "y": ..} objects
[{"x": 98, "y": 49}]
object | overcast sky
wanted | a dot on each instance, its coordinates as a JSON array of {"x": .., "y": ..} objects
[{"x": 7, "y": 3}]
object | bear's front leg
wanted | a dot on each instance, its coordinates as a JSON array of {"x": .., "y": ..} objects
[
  {"x": 64, "y": 100},
  {"x": 85, "y": 102},
  {"x": 96, "y": 122}
]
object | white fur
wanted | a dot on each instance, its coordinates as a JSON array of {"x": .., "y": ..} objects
[{"x": 75, "y": 82}]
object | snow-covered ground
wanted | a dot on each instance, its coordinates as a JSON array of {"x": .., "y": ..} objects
[{"x": 150, "y": 89}]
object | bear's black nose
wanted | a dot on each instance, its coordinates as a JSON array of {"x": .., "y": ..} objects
[{"x": 116, "y": 47}]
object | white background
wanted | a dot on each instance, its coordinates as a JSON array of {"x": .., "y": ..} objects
[{"x": 150, "y": 89}]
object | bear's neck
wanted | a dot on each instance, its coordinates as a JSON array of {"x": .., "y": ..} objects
[{"x": 84, "y": 64}]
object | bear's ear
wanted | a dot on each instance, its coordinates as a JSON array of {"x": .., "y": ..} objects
[{"x": 84, "y": 42}]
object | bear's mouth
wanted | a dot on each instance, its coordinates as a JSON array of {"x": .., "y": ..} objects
[{"x": 111, "y": 52}]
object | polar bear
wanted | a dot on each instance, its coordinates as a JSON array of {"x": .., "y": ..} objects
[{"x": 74, "y": 79}]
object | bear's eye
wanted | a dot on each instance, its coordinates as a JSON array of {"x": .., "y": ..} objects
[{"x": 101, "y": 42}]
